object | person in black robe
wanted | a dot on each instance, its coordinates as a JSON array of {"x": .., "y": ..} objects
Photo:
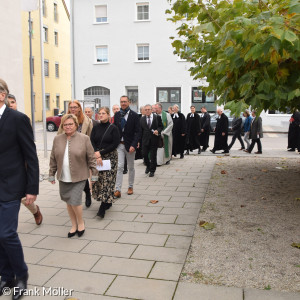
[
  {"x": 193, "y": 131},
  {"x": 205, "y": 129},
  {"x": 221, "y": 133},
  {"x": 138, "y": 153},
  {"x": 294, "y": 132},
  {"x": 179, "y": 132},
  {"x": 237, "y": 132}
]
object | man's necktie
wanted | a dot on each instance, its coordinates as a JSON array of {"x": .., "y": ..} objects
[{"x": 149, "y": 122}]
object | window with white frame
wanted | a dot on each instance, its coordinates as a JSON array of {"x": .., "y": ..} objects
[
  {"x": 45, "y": 29},
  {"x": 56, "y": 38},
  {"x": 101, "y": 13},
  {"x": 46, "y": 67},
  {"x": 143, "y": 52},
  {"x": 142, "y": 11},
  {"x": 55, "y": 10},
  {"x": 57, "y": 70},
  {"x": 57, "y": 100},
  {"x": 101, "y": 54},
  {"x": 47, "y": 100}
]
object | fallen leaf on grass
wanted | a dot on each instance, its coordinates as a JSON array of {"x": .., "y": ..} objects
[
  {"x": 267, "y": 288},
  {"x": 264, "y": 170},
  {"x": 201, "y": 223},
  {"x": 208, "y": 226},
  {"x": 254, "y": 178},
  {"x": 239, "y": 178},
  {"x": 223, "y": 172},
  {"x": 263, "y": 198},
  {"x": 296, "y": 245},
  {"x": 153, "y": 201},
  {"x": 243, "y": 205},
  {"x": 141, "y": 216},
  {"x": 297, "y": 199}
]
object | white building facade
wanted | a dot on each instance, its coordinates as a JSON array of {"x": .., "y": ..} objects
[{"x": 123, "y": 48}]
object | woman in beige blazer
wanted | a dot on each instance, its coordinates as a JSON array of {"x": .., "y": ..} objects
[
  {"x": 72, "y": 158},
  {"x": 85, "y": 126}
]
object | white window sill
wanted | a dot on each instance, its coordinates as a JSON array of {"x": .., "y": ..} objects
[
  {"x": 100, "y": 23},
  {"x": 143, "y": 61},
  {"x": 101, "y": 63},
  {"x": 141, "y": 21}
]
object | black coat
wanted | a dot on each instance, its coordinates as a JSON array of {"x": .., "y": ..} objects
[
  {"x": 294, "y": 131},
  {"x": 193, "y": 131},
  {"x": 221, "y": 126},
  {"x": 19, "y": 166},
  {"x": 148, "y": 138},
  {"x": 205, "y": 125},
  {"x": 179, "y": 128},
  {"x": 237, "y": 125},
  {"x": 132, "y": 129}
]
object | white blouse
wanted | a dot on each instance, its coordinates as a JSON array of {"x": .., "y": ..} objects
[{"x": 66, "y": 174}]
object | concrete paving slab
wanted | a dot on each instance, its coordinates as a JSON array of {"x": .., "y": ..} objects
[
  {"x": 51, "y": 220},
  {"x": 85, "y": 296},
  {"x": 95, "y": 223},
  {"x": 101, "y": 235},
  {"x": 128, "y": 226},
  {"x": 193, "y": 291},
  {"x": 120, "y": 216},
  {"x": 156, "y": 218},
  {"x": 81, "y": 281},
  {"x": 160, "y": 254},
  {"x": 158, "y": 198},
  {"x": 186, "y": 219},
  {"x": 34, "y": 255},
  {"x": 166, "y": 204},
  {"x": 123, "y": 266},
  {"x": 65, "y": 244},
  {"x": 143, "y": 209},
  {"x": 109, "y": 249},
  {"x": 179, "y": 242},
  {"x": 166, "y": 271},
  {"x": 252, "y": 294},
  {"x": 51, "y": 230},
  {"x": 173, "y": 193},
  {"x": 133, "y": 202},
  {"x": 140, "y": 288},
  {"x": 192, "y": 205},
  {"x": 180, "y": 211},
  {"x": 199, "y": 198},
  {"x": 39, "y": 275},
  {"x": 173, "y": 229},
  {"x": 143, "y": 239},
  {"x": 26, "y": 227},
  {"x": 29, "y": 240},
  {"x": 70, "y": 260}
]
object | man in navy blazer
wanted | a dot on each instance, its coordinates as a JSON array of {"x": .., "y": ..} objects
[
  {"x": 19, "y": 177},
  {"x": 128, "y": 123}
]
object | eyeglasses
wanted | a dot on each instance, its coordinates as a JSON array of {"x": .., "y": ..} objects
[
  {"x": 73, "y": 107},
  {"x": 69, "y": 124}
]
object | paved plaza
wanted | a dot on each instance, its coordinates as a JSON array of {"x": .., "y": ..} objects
[{"x": 137, "y": 251}]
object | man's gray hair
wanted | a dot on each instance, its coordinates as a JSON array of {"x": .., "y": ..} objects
[
  {"x": 148, "y": 105},
  {"x": 176, "y": 105},
  {"x": 159, "y": 104}
]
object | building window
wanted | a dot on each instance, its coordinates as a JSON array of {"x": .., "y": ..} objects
[
  {"x": 199, "y": 96},
  {"x": 46, "y": 67},
  {"x": 44, "y": 8},
  {"x": 168, "y": 95},
  {"x": 45, "y": 29},
  {"x": 57, "y": 70},
  {"x": 101, "y": 13},
  {"x": 57, "y": 101},
  {"x": 55, "y": 13},
  {"x": 101, "y": 54},
  {"x": 142, "y": 11},
  {"x": 143, "y": 52},
  {"x": 47, "y": 100},
  {"x": 56, "y": 38}
]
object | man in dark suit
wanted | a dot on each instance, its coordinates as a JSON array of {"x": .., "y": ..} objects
[
  {"x": 152, "y": 127},
  {"x": 89, "y": 112},
  {"x": 19, "y": 177},
  {"x": 205, "y": 129},
  {"x": 237, "y": 132},
  {"x": 128, "y": 123}
]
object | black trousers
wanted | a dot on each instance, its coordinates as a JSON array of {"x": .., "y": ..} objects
[
  {"x": 12, "y": 262},
  {"x": 87, "y": 187},
  {"x": 236, "y": 135},
  {"x": 151, "y": 151},
  {"x": 259, "y": 148}
]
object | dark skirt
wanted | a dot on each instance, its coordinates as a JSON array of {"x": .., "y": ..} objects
[{"x": 103, "y": 189}]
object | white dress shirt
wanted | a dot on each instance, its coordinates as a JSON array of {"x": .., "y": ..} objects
[{"x": 2, "y": 110}]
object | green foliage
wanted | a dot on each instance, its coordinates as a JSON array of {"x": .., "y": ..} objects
[{"x": 248, "y": 50}]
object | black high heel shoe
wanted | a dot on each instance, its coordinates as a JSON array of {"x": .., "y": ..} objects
[
  {"x": 80, "y": 233},
  {"x": 71, "y": 234}
]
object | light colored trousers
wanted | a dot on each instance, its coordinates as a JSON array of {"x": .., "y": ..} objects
[
  {"x": 246, "y": 139},
  {"x": 31, "y": 207},
  {"x": 130, "y": 165}
]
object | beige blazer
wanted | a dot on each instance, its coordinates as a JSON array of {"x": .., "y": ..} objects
[
  {"x": 81, "y": 157},
  {"x": 87, "y": 127}
]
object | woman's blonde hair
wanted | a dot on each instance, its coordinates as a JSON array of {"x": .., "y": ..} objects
[
  {"x": 67, "y": 117},
  {"x": 80, "y": 113},
  {"x": 105, "y": 108}
]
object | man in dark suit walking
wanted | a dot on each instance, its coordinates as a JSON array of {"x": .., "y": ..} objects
[
  {"x": 19, "y": 177},
  {"x": 237, "y": 132},
  {"x": 151, "y": 130},
  {"x": 205, "y": 129},
  {"x": 128, "y": 123}
]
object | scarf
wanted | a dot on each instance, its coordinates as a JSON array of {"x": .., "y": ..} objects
[
  {"x": 123, "y": 114},
  {"x": 166, "y": 138}
]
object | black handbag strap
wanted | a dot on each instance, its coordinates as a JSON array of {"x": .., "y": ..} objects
[{"x": 103, "y": 137}]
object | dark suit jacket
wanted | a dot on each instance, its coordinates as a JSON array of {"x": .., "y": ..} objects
[
  {"x": 256, "y": 128},
  {"x": 132, "y": 129},
  {"x": 237, "y": 125},
  {"x": 148, "y": 138},
  {"x": 17, "y": 148},
  {"x": 205, "y": 122}
]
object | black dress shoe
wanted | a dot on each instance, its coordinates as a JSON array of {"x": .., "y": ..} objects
[
  {"x": 20, "y": 287},
  {"x": 88, "y": 199},
  {"x": 5, "y": 284},
  {"x": 181, "y": 156},
  {"x": 212, "y": 151},
  {"x": 125, "y": 172},
  {"x": 108, "y": 206},
  {"x": 292, "y": 150},
  {"x": 199, "y": 151},
  {"x": 101, "y": 211},
  {"x": 168, "y": 162},
  {"x": 187, "y": 152},
  {"x": 151, "y": 174},
  {"x": 71, "y": 234},
  {"x": 147, "y": 170}
]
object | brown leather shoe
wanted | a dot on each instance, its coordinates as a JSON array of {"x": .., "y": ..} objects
[
  {"x": 38, "y": 216},
  {"x": 130, "y": 191},
  {"x": 117, "y": 194}
]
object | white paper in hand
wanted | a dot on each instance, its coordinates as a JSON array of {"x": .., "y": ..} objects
[{"x": 106, "y": 165}]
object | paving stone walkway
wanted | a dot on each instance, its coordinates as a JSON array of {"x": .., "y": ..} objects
[{"x": 137, "y": 251}]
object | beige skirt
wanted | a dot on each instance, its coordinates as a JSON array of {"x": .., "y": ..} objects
[{"x": 71, "y": 192}]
